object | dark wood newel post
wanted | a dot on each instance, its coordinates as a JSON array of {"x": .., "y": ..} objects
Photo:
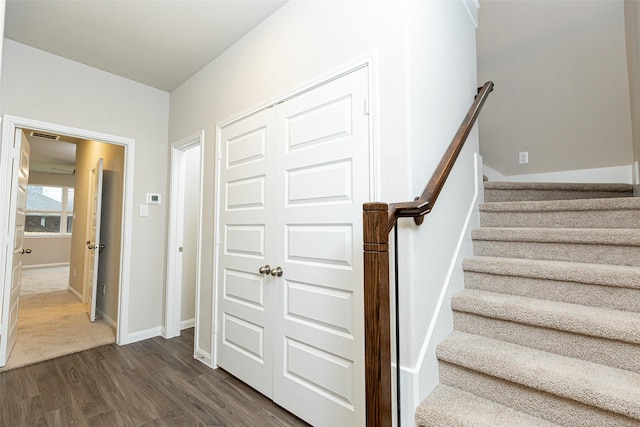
[{"x": 377, "y": 315}]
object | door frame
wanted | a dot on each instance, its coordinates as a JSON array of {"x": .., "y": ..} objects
[
  {"x": 173, "y": 289},
  {"x": 9, "y": 125},
  {"x": 368, "y": 61}
]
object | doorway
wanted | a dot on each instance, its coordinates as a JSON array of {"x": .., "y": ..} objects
[
  {"x": 185, "y": 224},
  {"x": 122, "y": 243}
]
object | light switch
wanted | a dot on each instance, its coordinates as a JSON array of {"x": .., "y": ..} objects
[{"x": 144, "y": 210}]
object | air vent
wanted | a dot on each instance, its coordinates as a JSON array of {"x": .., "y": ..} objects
[{"x": 45, "y": 135}]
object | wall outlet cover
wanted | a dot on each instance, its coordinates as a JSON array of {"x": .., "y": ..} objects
[{"x": 523, "y": 157}]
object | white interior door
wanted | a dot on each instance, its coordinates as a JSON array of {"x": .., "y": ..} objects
[
  {"x": 93, "y": 237},
  {"x": 11, "y": 299},
  {"x": 297, "y": 207},
  {"x": 246, "y": 218},
  {"x": 322, "y": 164}
]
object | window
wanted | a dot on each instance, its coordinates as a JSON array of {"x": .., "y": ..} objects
[{"x": 49, "y": 209}]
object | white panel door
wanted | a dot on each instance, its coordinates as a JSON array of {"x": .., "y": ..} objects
[
  {"x": 246, "y": 221},
  {"x": 322, "y": 163},
  {"x": 293, "y": 179},
  {"x": 11, "y": 301},
  {"x": 93, "y": 237}
]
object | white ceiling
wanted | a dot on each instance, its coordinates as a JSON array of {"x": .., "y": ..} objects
[{"x": 160, "y": 43}]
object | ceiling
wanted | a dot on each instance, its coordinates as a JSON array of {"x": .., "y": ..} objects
[
  {"x": 160, "y": 43},
  {"x": 51, "y": 156}
]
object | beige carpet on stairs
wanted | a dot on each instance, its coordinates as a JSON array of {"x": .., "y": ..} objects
[
  {"x": 52, "y": 323},
  {"x": 547, "y": 328}
]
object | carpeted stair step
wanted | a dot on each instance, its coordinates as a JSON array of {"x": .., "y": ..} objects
[
  {"x": 579, "y": 319},
  {"x": 608, "y": 286},
  {"x": 596, "y": 246},
  {"x": 594, "y": 213},
  {"x": 608, "y": 337},
  {"x": 560, "y": 389},
  {"x": 448, "y": 406},
  {"x": 617, "y": 354},
  {"x": 495, "y": 191},
  {"x": 548, "y": 406}
]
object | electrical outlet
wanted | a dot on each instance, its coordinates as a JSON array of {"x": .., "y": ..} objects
[
  {"x": 104, "y": 290},
  {"x": 523, "y": 157}
]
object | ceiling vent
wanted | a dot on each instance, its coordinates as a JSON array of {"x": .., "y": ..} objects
[{"x": 45, "y": 135}]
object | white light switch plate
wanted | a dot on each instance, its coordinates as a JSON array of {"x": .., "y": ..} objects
[{"x": 144, "y": 210}]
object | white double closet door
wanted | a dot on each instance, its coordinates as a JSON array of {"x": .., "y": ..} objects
[{"x": 293, "y": 179}]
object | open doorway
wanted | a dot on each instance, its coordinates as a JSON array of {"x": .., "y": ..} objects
[
  {"x": 113, "y": 283},
  {"x": 185, "y": 223}
]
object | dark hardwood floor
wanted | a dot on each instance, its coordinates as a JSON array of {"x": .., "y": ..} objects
[{"x": 150, "y": 383}]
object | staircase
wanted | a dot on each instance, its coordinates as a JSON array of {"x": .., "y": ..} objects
[{"x": 547, "y": 329}]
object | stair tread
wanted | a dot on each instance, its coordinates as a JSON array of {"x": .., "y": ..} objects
[
  {"x": 601, "y": 386},
  {"x": 593, "y": 321},
  {"x": 560, "y": 186},
  {"x": 606, "y": 236},
  {"x": 453, "y": 407},
  {"x": 603, "y": 204},
  {"x": 594, "y": 274}
]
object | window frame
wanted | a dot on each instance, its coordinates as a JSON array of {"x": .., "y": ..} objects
[{"x": 64, "y": 213}]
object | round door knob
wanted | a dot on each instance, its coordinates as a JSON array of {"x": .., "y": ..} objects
[
  {"x": 276, "y": 272},
  {"x": 265, "y": 269}
]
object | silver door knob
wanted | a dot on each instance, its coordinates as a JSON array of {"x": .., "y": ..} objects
[
  {"x": 276, "y": 272},
  {"x": 265, "y": 269}
]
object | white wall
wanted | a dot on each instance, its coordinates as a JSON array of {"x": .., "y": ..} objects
[
  {"x": 291, "y": 47},
  {"x": 42, "y": 86},
  {"x": 632, "y": 26},
  {"x": 426, "y": 81},
  {"x": 3, "y": 5},
  {"x": 46, "y": 250},
  {"x": 562, "y": 91},
  {"x": 442, "y": 88}
]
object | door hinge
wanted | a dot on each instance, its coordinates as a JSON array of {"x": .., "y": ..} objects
[{"x": 366, "y": 106}]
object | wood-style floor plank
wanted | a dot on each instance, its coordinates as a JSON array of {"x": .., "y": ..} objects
[
  {"x": 50, "y": 383},
  {"x": 65, "y": 417},
  {"x": 155, "y": 382}
]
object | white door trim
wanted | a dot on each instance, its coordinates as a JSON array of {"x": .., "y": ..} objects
[
  {"x": 9, "y": 125},
  {"x": 173, "y": 295},
  {"x": 369, "y": 61}
]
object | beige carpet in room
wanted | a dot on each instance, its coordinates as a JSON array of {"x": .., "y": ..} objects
[{"x": 53, "y": 324}]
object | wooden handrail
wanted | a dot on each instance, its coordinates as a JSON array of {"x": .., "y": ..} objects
[
  {"x": 422, "y": 205},
  {"x": 378, "y": 220}
]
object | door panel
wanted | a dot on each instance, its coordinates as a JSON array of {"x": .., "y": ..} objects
[
  {"x": 20, "y": 166},
  {"x": 93, "y": 238},
  {"x": 323, "y": 170},
  {"x": 246, "y": 219}
]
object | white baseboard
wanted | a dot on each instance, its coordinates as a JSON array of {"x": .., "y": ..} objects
[
  {"x": 205, "y": 358},
  {"x": 142, "y": 335},
  {"x": 108, "y": 320},
  {"x": 418, "y": 381},
  {"x": 55, "y": 264},
  {"x": 186, "y": 324},
  {"x": 75, "y": 293},
  {"x": 613, "y": 174}
]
